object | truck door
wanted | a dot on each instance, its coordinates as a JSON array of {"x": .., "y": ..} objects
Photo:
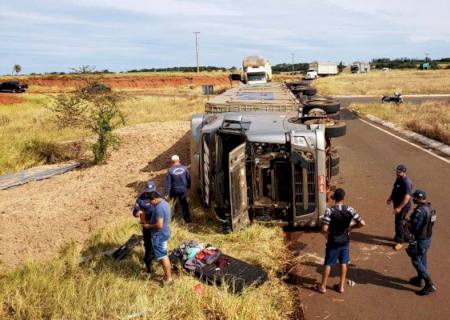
[{"x": 238, "y": 188}]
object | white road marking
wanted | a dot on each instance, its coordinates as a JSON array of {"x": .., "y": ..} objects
[{"x": 406, "y": 141}]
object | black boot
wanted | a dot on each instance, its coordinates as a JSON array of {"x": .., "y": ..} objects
[
  {"x": 416, "y": 281},
  {"x": 428, "y": 289}
]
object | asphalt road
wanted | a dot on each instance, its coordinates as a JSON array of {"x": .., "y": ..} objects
[{"x": 368, "y": 158}]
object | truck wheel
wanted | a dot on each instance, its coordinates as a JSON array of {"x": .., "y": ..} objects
[
  {"x": 329, "y": 106},
  {"x": 334, "y": 171},
  {"x": 309, "y": 91},
  {"x": 334, "y": 158},
  {"x": 333, "y": 128}
]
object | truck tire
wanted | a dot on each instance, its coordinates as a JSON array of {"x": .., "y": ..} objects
[
  {"x": 334, "y": 158},
  {"x": 334, "y": 171},
  {"x": 329, "y": 106},
  {"x": 338, "y": 129},
  {"x": 309, "y": 91}
]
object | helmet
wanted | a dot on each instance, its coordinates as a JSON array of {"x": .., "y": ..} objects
[{"x": 150, "y": 186}]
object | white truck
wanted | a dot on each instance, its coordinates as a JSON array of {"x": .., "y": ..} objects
[
  {"x": 317, "y": 69},
  {"x": 256, "y": 70}
]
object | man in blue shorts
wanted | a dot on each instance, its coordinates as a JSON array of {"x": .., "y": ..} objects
[
  {"x": 337, "y": 223},
  {"x": 160, "y": 232}
]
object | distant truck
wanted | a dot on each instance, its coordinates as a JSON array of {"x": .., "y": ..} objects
[
  {"x": 13, "y": 86},
  {"x": 317, "y": 69},
  {"x": 256, "y": 70},
  {"x": 360, "y": 67}
]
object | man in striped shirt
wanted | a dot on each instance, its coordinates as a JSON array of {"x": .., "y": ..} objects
[{"x": 337, "y": 223}]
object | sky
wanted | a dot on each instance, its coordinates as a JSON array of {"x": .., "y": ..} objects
[{"x": 119, "y": 35}]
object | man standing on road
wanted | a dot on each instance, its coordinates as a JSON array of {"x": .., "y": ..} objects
[
  {"x": 144, "y": 210},
  {"x": 337, "y": 223},
  {"x": 401, "y": 199},
  {"x": 160, "y": 232},
  {"x": 178, "y": 182},
  {"x": 421, "y": 227}
]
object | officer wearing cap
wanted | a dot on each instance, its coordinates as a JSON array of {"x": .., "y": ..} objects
[
  {"x": 178, "y": 181},
  {"x": 401, "y": 199},
  {"x": 421, "y": 227},
  {"x": 144, "y": 210}
]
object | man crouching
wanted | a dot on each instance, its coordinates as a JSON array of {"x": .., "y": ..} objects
[
  {"x": 336, "y": 226},
  {"x": 160, "y": 232}
]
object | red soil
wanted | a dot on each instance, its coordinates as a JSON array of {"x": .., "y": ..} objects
[{"x": 10, "y": 98}]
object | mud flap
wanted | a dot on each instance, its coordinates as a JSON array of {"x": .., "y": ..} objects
[
  {"x": 127, "y": 247},
  {"x": 238, "y": 188}
]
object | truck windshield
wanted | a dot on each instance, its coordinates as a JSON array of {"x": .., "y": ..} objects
[{"x": 256, "y": 76}]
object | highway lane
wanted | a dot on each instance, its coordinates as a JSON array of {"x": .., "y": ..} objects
[{"x": 368, "y": 159}]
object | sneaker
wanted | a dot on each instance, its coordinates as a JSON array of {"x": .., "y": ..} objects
[
  {"x": 398, "y": 246},
  {"x": 426, "y": 290},
  {"x": 416, "y": 281}
]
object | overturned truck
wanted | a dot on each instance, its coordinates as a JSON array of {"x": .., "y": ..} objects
[{"x": 263, "y": 154}]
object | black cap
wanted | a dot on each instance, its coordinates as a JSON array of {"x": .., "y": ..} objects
[
  {"x": 419, "y": 194},
  {"x": 401, "y": 168}
]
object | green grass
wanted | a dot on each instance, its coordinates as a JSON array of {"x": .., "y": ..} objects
[
  {"x": 102, "y": 288},
  {"x": 431, "y": 119},
  {"x": 28, "y": 126}
]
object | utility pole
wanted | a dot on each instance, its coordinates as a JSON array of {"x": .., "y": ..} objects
[
  {"x": 293, "y": 58},
  {"x": 196, "y": 49}
]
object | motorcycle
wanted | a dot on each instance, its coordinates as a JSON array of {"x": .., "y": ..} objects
[{"x": 396, "y": 98}]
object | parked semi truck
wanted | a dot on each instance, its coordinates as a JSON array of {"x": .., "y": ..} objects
[
  {"x": 317, "y": 69},
  {"x": 256, "y": 155},
  {"x": 256, "y": 70},
  {"x": 360, "y": 67}
]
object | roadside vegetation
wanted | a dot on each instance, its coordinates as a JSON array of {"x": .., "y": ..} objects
[
  {"x": 29, "y": 135},
  {"x": 102, "y": 288},
  {"x": 386, "y": 83},
  {"x": 431, "y": 119}
]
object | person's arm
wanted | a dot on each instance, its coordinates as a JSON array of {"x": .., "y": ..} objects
[
  {"x": 389, "y": 200},
  {"x": 188, "y": 179},
  {"x": 326, "y": 222},
  {"x": 359, "y": 222},
  {"x": 416, "y": 221},
  {"x": 168, "y": 184},
  {"x": 137, "y": 209},
  {"x": 406, "y": 198},
  {"x": 324, "y": 230},
  {"x": 157, "y": 225}
]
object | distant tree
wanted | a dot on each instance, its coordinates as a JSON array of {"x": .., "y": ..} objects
[
  {"x": 17, "y": 69},
  {"x": 84, "y": 69},
  {"x": 341, "y": 66}
]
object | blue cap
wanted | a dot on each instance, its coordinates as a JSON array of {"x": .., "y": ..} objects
[
  {"x": 419, "y": 194},
  {"x": 150, "y": 186},
  {"x": 401, "y": 168}
]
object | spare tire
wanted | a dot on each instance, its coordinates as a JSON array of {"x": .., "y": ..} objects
[{"x": 329, "y": 106}]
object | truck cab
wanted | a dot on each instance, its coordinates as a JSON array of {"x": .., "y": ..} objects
[
  {"x": 260, "y": 166},
  {"x": 255, "y": 75},
  {"x": 311, "y": 74}
]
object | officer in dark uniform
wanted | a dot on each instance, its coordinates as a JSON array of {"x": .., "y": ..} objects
[
  {"x": 401, "y": 199},
  {"x": 143, "y": 210},
  {"x": 421, "y": 227},
  {"x": 178, "y": 181}
]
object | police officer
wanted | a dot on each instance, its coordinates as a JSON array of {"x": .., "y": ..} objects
[
  {"x": 144, "y": 210},
  {"x": 178, "y": 181},
  {"x": 421, "y": 227},
  {"x": 401, "y": 199}
]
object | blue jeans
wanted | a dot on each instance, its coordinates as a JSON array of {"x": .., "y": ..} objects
[
  {"x": 420, "y": 261},
  {"x": 335, "y": 254}
]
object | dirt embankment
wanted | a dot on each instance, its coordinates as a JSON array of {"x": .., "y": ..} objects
[
  {"x": 38, "y": 218},
  {"x": 126, "y": 82},
  {"x": 10, "y": 98}
]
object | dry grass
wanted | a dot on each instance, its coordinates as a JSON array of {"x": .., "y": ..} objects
[
  {"x": 106, "y": 289},
  {"x": 431, "y": 119},
  {"x": 28, "y": 126},
  {"x": 382, "y": 83}
]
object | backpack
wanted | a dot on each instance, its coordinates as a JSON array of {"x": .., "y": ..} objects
[{"x": 339, "y": 226}]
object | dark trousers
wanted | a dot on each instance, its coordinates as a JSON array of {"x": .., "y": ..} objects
[
  {"x": 148, "y": 255},
  {"x": 401, "y": 232},
  {"x": 420, "y": 260},
  {"x": 181, "y": 198}
]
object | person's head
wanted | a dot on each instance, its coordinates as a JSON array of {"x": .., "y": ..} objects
[
  {"x": 400, "y": 170},
  {"x": 150, "y": 186},
  {"x": 175, "y": 159},
  {"x": 339, "y": 195},
  {"x": 155, "y": 197},
  {"x": 419, "y": 196}
]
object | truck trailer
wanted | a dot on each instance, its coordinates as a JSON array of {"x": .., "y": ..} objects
[
  {"x": 360, "y": 67},
  {"x": 317, "y": 69}
]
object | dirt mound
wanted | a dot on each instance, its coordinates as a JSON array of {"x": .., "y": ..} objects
[
  {"x": 129, "y": 82},
  {"x": 72, "y": 206},
  {"x": 10, "y": 98}
]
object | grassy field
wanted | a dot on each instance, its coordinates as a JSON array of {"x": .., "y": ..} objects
[
  {"x": 430, "y": 119},
  {"x": 27, "y": 129},
  {"x": 102, "y": 288},
  {"x": 383, "y": 83}
]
